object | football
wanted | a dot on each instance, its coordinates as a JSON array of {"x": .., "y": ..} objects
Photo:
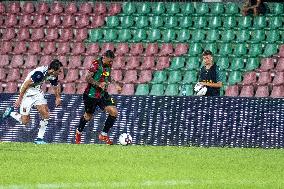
[{"x": 125, "y": 139}]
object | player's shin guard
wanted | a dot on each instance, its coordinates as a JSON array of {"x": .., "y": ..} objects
[
  {"x": 109, "y": 123},
  {"x": 82, "y": 124},
  {"x": 43, "y": 124}
]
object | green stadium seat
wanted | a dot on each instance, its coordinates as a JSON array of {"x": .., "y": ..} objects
[
  {"x": 112, "y": 21},
  {"x": 168, "y": 35},
  {"x": 225, "y": 49},
  {"x": 197, "y": 35},
  {"x": 177, "y": 63},
  {"x": 227, "y": 36},
  {"x": 142, "y": 89},
  {"x": 234, "y": 77},
  {"x": 128, "y": 8},
  {"x": 139, "y": 35},
  {"x": 229, "y": 22},
  {"x": 272, "y": 36},
  {"x": 275, "y": 22},
  {"x": 195, "y": 49},
  {"x": 95, "y": 35},
  {"x": 255, "y": 50},
  {"x": 237, "y": 64},
  {"x": 223, "y": 63},
  {"x": 170, "y": 22},
  {"x": 270, "y": 49},
  {"x": 159, "y": 77},
  {"x": 212, "y": 47},
  {"x": 201, "y": 8},
  {"x": 240, "y": 49},
  {"x": 172, "y": 90},
  {"x": 154, "y": 35},
  {"x": 183, "y": 35},
  {"x": 277, "y": 9},
  {"x": 259, "y": 22},
  {"x": 172, "y": 8},
  {"x": 123, "y": 35},
  {"x": 156, "y": 21},
  {"x": 141, "y": 22},
  {"x": 232, "y": 8},
  {"x": 200, "y": 22},
  {"x": 252, "y": 64},
  {"x": 187, "y": 8},
  {"x": 174, "y": 76},
  {"x": 185, "y": 21},
  {"x": 244, "y": 22},
  {"x": 243, "y": 36},
  {"x": 190, "y": 76},
  {"x": 110, "y": 35},
  {"x": 188, "y": 89},
  {"x": 216, "y": 8},
  {"x": 257, "y": 36},
  {"x": 143, "y": 8},
  {"x": 158, "y": 8},
  {"x": 212, "y": 36},
  {"x": 157, "y": 90},
  {"x": 214, "y": 22},
  {"x": 126, "y": 21},
  {"x": 192, "y": 63}
]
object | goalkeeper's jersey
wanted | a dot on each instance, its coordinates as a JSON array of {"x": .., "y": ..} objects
[{"x": 101, "y": 73}]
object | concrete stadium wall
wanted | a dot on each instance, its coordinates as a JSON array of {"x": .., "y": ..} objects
[{"x": 151, "y": 120}]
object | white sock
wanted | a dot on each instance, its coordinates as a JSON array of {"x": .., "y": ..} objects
[
  {"x": 43, "y": 124},
  {"x": 103, "y": 133},
  {"x": 16, "y": 116}
]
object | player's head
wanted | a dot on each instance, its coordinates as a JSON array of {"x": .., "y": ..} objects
[
  {"x": 108, "y": 57},
  {"x": 207, "y": 57},
  {"x": 55, "y": 67}
]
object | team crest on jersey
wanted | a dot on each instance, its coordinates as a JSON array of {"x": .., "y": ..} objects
[{"x": 106, "y": 74}]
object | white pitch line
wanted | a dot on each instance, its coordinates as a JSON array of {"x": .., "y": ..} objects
[{"x": 149, "y": 183}]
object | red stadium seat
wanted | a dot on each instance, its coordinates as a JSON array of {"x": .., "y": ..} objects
[
  {"x": 45, "y": 60},
  {"x": 116, "y": 75},
  {"x": 280, "y": 65},
  {"x": 42, "y": 8},
  {"x": 281, "y": 51},
  {"x": 6, "y": 47},
  {"x": 56, "y": 8},
  {"x": 37, "y": 34},
  {"x": 2, "y": 8},
  {"x": 181, "y": 49},
  {"x": 262, "y": 91},
  {"x": 100, "y": 8},
  {"x": 152, "y": 49},
  {"x": 20, "y": 47},
  {"x": 148, "y": 63},
  {"x": 68, "y": 21},
  {"x": 249, "y": 78},
  {"x": 23, "y": 34},
  {"x": 86, "y": 8},
  {"x": 49, "y": 48},
  {"x": 53, "y": 21},
  {"x": 82, "y": 21},
  {"x": 25, "y": 74},
  {"x": 14, "y": 7},
  {"x": 87, "y": 61},
  {"x": 277, "y": 91},
  {"x": 3, "y": 73},
  {"x": 81, "y": 88},
  {"x": 278, "y": 78},
  {"x": 114, "y": 8},
  {"x": 122, "y": 49},
  {"x": 166, "y": 49},
  {"x": 63, "y": 48},
  {"x": 232, "y": 90},
  {"x": 81, "y": 34},
  {"x": 51, "y": 34},
  {"x": 11, "y": 87},
  {"x": 127, "y": 89},
  {"x": 31, "y": 61},
  {"x": 4, "y": 60},
  {"x": 72, "y": 75},
  {"x": 14, "y": 74},
  {"x": 112, "y": 89},
  {"x": 34, "y": 48},
  {"x": 66, "y": 35},
  {"x": 11, "y": 21},
  {"x": 266, "y": 64},
  {"x": 264, "y": 78},
  {"x": 39, "y": 21},
  {"x": 25, "y": 20},
  {"x": 145, "y": 76},
  {"x": 78, "y": 48},
  {"x": 97, "y": 21},
  {"x": 163, "y": 62},
  {"x": 130, "y": 76},
  {"x": 28, "y": 8},
  {"x": 71, "y": 8},
  {"x": 93, "y": 49},
  {"x": 136, "y": 49},
  {"x": 69, "y": 88},
  {"x": 107, "y": 46},
  {"x": 247, "y": 91},
  {"x": 8, "y": 34},
  {"x": 74, "y": 62},
  {"x": 132, "y": 62},
  {"x": 63, "y": 60},
  {"x": 119, "y": 62},
  {"x": 17, "y": 61}
]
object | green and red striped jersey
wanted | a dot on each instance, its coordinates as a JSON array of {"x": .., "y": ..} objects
[{"x": 101, "y": 73}]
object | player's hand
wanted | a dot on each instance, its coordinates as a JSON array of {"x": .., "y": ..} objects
[
  {"x": 58, "y": 101},
  {"x": 103, "y": 85},
  {"x": 18, "y": 102},
  {"x": 203, "y": 83}
]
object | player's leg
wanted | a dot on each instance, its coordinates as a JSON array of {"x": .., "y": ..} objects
[
  {"x": 111, "y": 109},
  {"x": 90, "y": 106}
]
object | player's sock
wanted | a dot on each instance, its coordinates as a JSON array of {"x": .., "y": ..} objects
[
  {"x": 82, "y": 124},
  {"x": 43, "y": 124},
  {"x": 16, "y": 116},
  {"x": 109, "y": 123}
]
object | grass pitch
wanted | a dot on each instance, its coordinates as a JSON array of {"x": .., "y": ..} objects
[{"x": 26, "y": 165}]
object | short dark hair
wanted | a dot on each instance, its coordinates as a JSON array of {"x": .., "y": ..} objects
[
  {"x": 207, "y": 52},
  {"x": 109, "y": 54},
  {"x": 55, "y": 65}
]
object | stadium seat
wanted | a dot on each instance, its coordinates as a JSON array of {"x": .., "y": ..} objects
[
  {"x": 243, "y": 35},
  {"x": 119, "y": 62},
  {"x": 53, "y": 21},
  {"x": 177, "y": 63},
  {"x": 157, "y": 90},
  {"x": 17, "y": 61},
  {"x": 235, "y": 77},
  {"x": 172, "y": 90},
  {"x": 190, "y": 77},
  {"x": 223, "y": 63},
  {"x": 49, "y": 48},
  {"x": 122, "y": 49},
  {"x": 264, "y": 78},
  {"x": 225, "y": 49},
  {"x": 3, "y": 73},
  {"x": 277, "y": 91},
  {"x": 232, "y": 90},
  {"x": 4, "y": 60},
  {"x": 63, "y": 60},
  {"x": 111, "y": 35},
  {"x": 39, "y": 21},
  {"x": 154, "y": 35},
  {"x": 237, "y": 64},
  {"x": 123, "y": 35},
  {"x": 25, "y": 20},
  {"x": 185, "y": 22},
  {"x": 240, "y": 50},
  {"x": 166, "y": 49},
  {"x": 257, "y": 36},
  {"x": 158, "y": 8},
  {"x": 232, "y": 8},
  {"x": 77, "y": 48},
  {"x": 275, "y": 22},
  {"x": 188, "y": 89},
  {"x": 141, "y": 22},
  {"x": 278, "y": 9},
  {"x": 251, "y": 64},
  {"x": 100, "y": 8},
  {"x": 69, "y": 21},
  {"x": 87, "y": 61},
  {"x": 247, "y": 91},
  {"x": 168, "y": 35},
  {"x": 71, "y": 8},
  {"x": 63, "y": 48},
  {"x": 201, "y": 8},
  {"x": 249, "y": 78},
  {"x": 183, "y": 35},
  {"x": 255, "y": 50},
  {"x": 229, "y": 22},
  {"x": 51, "y": 34},
  {"x": 280, "y": 65},
  {"x": 174, "y": 76},
  {"x": 198, "y": 35},
  {"x": 170, "y": 22},
  {"x": 195, "y": 49},
  {"x": 128, "y": 8},
  {"x": 192, "y": 63},
  {"x": 13, "y": 74},
  {"x": 14, "y": 8},
  {"x": 132, "y": 62},
  {"x": 130, "y": 76},
  {"x": 6, "y": 47},
  {"x": 272, "y": 36},
  {"x": 82, "y": 21},
  {"x": 11, "y": 21},
  {"x": 34, "y": 48},
  {"x": 23, "y": 34},
  {"x": 31, "y": 61},
  {"x": 187, "y": 8},
  {"x": 281, "y": 51},
  {"x": 214, "y": 22},
  {"x": 142, "y": 89},
  {"x": 266, "y": 64},
  {"x": 181, "y": 49},
  {"x": 278, "y": 78},
  {"x": 212, "y": 36},
  {"x": 144, "y": 8},
  {"x": 259, "y": 22},
  {"x": 212, "y": 47},
  {"x": 200, "y": 22},
  {"x": 112, "y": 89},
  {"x": 75, "y": 61},
  {"x": 136, "y": 49},
  {"x": 270, "y": 49},
  {"x": 45, "y": 60},
  {"x": 162, "y": 63},
  {"x": 112, "y": 21},
  {"x": 114, "y": 8},
  {"x": 107, "y": 46},
  {"x": 2, "y": 8},
  {"x": 8, "y": 34},
  {"x": 72, "y": 75},
  {"x": 156, "y": 21},
  {"x": 69, "y": 88},
  {"x": 20, "y": 47},
  {"x": 147, "y": 63},
  {"x": 126, "y": 21},
  {"x": 244, "y": 22},
  {"x": 37, "y": 34},
  {"x": 12, "y": 87},
  {"x": 81, "y": 34},
  {"x": 139, "y": 35},
  {"x": 172, "y": 8},
  {"x": 152, "y": 49},
  {"x": 96, "y": 21},
  {"x": 159, "y": 77},
  {"x": 95, "y": 35},
  {"x": 86, "y": 8},
  {"x": 216, "y": 8},
  {"x": 227, "y": 36},
  {"x": 145, "y": 76},
  {"x": 56, "y": 8},
  {"x": 116, "y": 75}
]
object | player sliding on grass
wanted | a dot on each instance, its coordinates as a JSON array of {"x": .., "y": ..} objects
[
  {"x": 32, "y": 95},
  {"x": 98, "y": 78}
]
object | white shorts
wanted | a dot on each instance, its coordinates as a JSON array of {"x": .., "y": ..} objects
[{"x": 31, "y": 100}]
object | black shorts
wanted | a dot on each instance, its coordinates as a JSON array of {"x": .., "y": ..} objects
[{"x": 92, "y": 103}]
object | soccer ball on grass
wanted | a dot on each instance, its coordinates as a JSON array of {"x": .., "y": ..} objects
[{"x": 125, "y": 139}]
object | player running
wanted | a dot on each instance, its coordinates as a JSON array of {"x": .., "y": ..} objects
[
  {"x": 98, "y": 78},
  {"x": 31, "y": 95}
]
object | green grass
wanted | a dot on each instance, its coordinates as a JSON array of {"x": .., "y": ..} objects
[{"x": 25, "y": 165}]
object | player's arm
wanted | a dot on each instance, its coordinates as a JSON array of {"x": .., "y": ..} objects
[
  {"x": 117, "y": 84},
  {"x": 89, "y": 79},
  {"x": 57, "y": 91},
  {"x": 23, "y": 90}
]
